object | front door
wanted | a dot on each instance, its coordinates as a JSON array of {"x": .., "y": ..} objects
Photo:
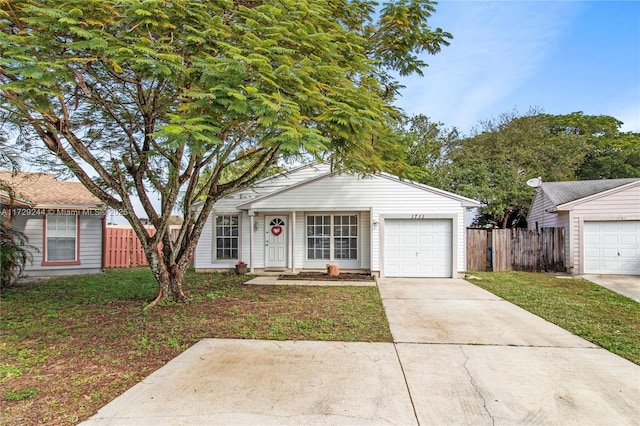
[{"x": 275, "y": 241}]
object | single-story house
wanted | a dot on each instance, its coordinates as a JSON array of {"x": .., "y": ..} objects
[
  {"x": 601, "y": 219},
  {"x": 62, "y": 220},
  {"x": 309, "y": 217}
]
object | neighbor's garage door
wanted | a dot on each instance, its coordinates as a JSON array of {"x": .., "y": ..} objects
[
  {"x": 417, "y": 248},
  {"x": 612, "y": 247}
]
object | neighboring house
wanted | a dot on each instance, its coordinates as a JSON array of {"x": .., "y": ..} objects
[
  {"x": 601, "y": 219},
  {"x": 309, "y": 217},
  {"x": 63, "y": 220}
]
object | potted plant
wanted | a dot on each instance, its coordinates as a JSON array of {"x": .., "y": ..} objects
[
  {"x": 333, "y": 270},
  {"x": 241, "y": 267}
]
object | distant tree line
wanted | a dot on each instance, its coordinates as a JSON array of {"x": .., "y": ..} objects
[{"x": 493, "y": 163}]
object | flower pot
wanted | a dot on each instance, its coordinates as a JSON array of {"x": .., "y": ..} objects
[
  {"x": 333, "y": 270},
  {"x": 241, "y": 269}
]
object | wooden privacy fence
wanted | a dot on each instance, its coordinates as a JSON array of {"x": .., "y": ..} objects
[
  {"x": 123, "y": 248},
  {"x": 515, "y": 249}
]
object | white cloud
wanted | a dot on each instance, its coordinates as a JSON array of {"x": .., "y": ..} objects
[{"x": 497, "y": 46}]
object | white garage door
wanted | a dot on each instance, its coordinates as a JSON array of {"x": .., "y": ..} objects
[
  {"x": 612, "y": 247},
  {"x": 417, "y": 248}
]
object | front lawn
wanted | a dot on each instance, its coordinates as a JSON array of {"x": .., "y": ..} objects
[
  {"x": 590, "y": 311},
  {"x": 70, "y": 345}
]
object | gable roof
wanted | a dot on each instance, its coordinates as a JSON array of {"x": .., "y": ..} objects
[
  {"x": 324, "y": 173},
  {"x": 43, "y": 190},
  {"x": 565, "y": 192}
]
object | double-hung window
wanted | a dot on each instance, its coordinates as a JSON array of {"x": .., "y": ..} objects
[
  {"x": 318, "y": 237},
  {"x": 61, "y": 238},
  {"x": 345, "y": 237},
  {"x": 227, "y": 237},
  {"x": 332, "y": 237}
]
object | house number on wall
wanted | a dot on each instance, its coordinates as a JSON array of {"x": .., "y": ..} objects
[{"x": 418, "y": 216}]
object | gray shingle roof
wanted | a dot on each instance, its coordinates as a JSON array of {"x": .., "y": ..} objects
[
  {"x": 43, "y": 189},
  {"x": 565, "y": 192}
]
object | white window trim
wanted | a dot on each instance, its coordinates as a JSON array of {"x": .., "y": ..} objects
[
  {"x": 45, "y": 254},
  {"x": 332, "y": 237},
  {"x": 214, "y": 251}
]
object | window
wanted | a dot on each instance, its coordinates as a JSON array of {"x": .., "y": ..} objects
[
  {"x": 332, "y": 237},
  {"x": 61, "y": 238},
  {"x": 345, "y": 237},
  {"x": 318, "y": 237},
  {"x": 227, "y": 232}
]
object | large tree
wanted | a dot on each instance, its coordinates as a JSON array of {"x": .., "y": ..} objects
[
  {"x": 140, "y": 97},
  {"x": 495, "y": 161},
  {"x": 610, "y": 153},
  {"x": 427, "y": 145},
  {"x": 493, "y": 164}
]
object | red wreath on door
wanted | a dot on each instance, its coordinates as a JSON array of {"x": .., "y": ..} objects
[{"x": 277, "y": 226}]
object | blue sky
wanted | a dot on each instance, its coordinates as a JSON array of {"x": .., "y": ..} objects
[{"x": 558, "y": 56}]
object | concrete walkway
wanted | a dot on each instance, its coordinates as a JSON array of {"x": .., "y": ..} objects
[
  {"x": 461, "y": 356},
  {"x": 627, "y": 285}
]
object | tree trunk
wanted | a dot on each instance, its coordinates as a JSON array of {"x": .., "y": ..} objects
[{"x": 168, "y": 277}]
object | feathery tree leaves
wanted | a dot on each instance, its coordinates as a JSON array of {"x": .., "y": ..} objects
[{"x": 140, "y": 97}]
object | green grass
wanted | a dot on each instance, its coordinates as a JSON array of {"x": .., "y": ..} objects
[
  {"x": 70, "y": 344},
  {"x": 21, "y": 394},
  {"x": 590, "y": 311}
]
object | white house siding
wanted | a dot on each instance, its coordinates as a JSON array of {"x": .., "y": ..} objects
[
  {"x": 619, "y": 205},
  {"x": 203, "y": 255},
  {"x": 539, "y": 215},
  {"x": 267, "y": 186},
  {"x": 364, "y": 231},
  {"x": 385, "y": 196},
  {"x": 90, "y": 245}
]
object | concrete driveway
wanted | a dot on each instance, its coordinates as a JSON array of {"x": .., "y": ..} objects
[
  {"x": 471, "y": 357},
  {"x": 460, "y": 356},
  {"x": 627, "y": 285}
]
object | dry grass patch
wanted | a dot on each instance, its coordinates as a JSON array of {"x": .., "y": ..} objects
[{"x": 70, "y": 345}]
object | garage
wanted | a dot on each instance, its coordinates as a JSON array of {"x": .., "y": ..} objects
[
  {"x": 418, "y": 248},
  {"x": 612, "y": 247}
]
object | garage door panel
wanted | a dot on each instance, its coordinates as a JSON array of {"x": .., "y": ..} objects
[
  {"x": 612, "y": 247},
  {"x": 610, "y": 240},
  {"x": 418, "y": 248},
  {"x": 592, "y": 240},
  {"x": 609, "y": 253}
]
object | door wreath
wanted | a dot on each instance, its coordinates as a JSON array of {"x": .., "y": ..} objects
[{"x": 277, "y": 226}]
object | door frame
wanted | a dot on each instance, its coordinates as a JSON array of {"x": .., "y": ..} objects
[{"x": 267, "y": 235}]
